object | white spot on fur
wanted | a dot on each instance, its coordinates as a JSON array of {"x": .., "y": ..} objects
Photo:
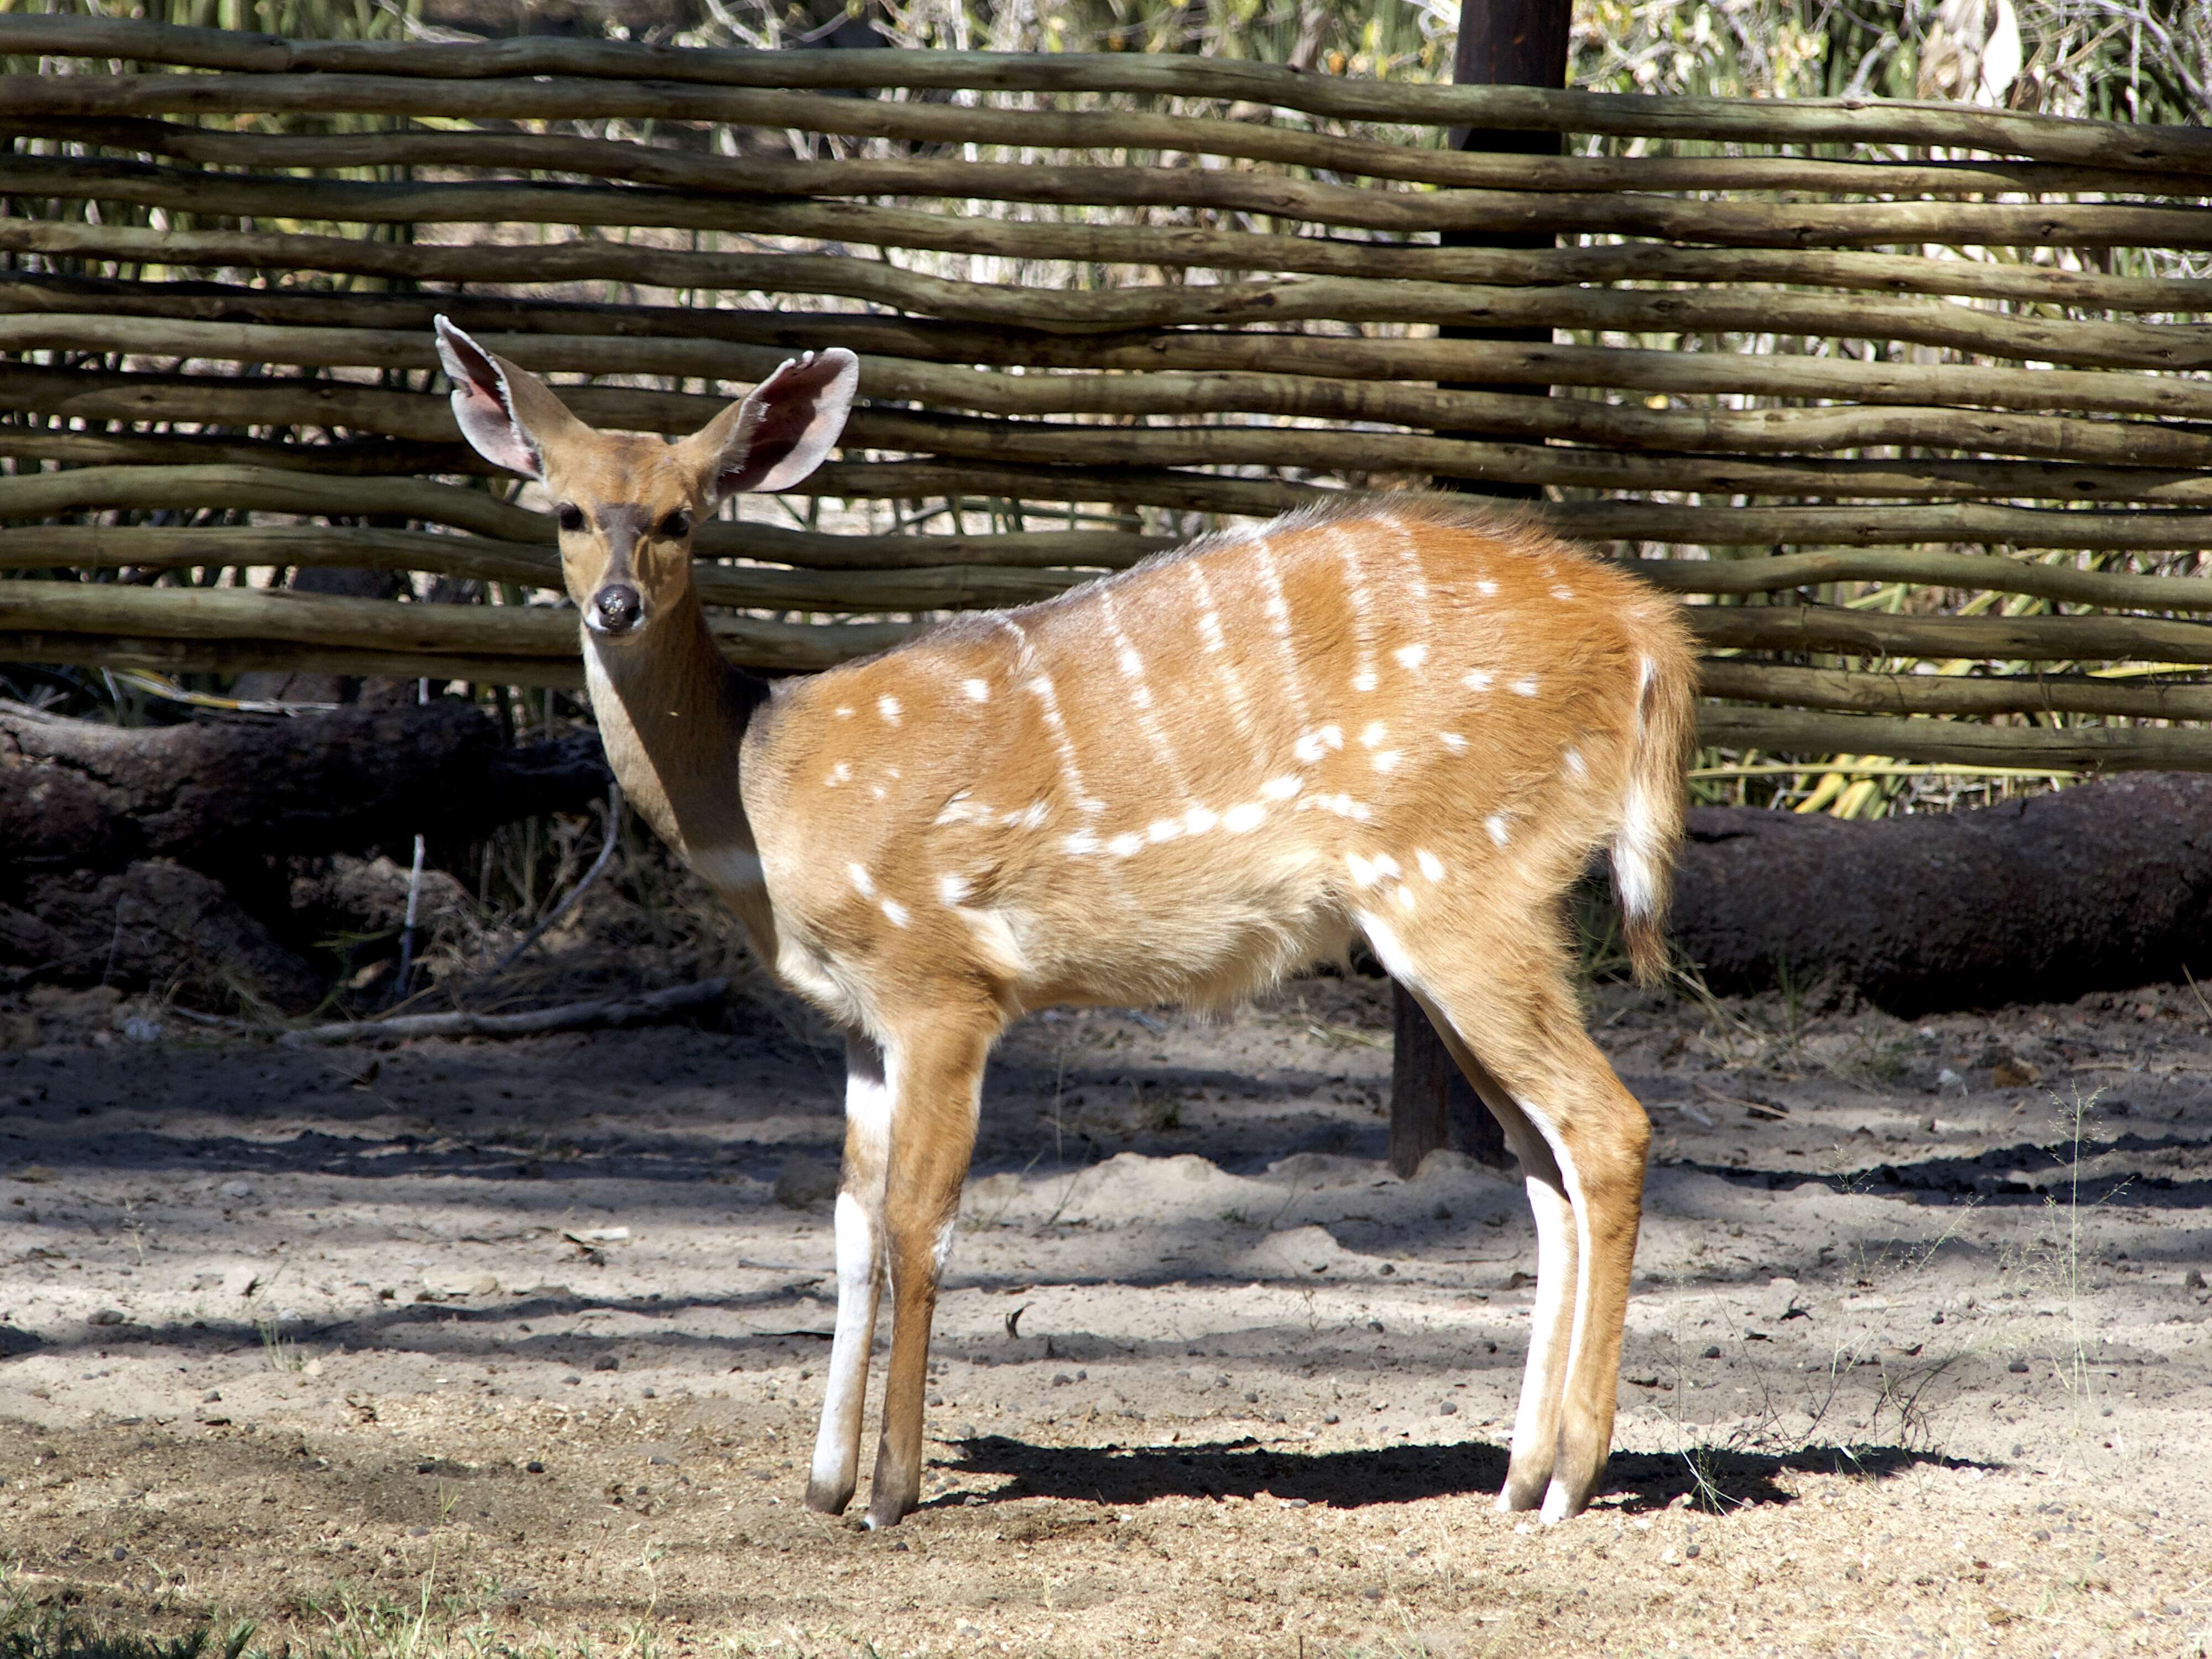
[
  {"x": 1496, "y": 825},
  {"x": 1486, "y": 587},
  {"x": 1411, "y": 657},
  {"x": 1563, "y": 594},
  {"x": 977, "y": 691},
  {"x": 1388, "y": 866},
  {"x": 1451, "y": 740},
  {"x": 1125, "y": 845},
  {"x": 1364, "y": 873},
  {"x": 1575, "y": 766},
  {"x": 863, "y": 883},
  {"x": 844, "y": 711},
  {"x": 1343, "y": 805},
  {"x": 1364, "y": 680},
  {"x": 1525, "y": 688},
  {"x": 960, "y": 809},
  {"x": 953, "y": 889},
  {"x": 1080, "y": 842},
  {"x": 1477, "y": 679},
  {"x": 1386, "y": 759},
  {"x": 1404, "y": 897},
  {"x": 1373, "y": 736},
  {"x": 1244, "y": 816},
  {"x": 896, "y": 912},
  {"x": 1164, "y": 829},
  {"x": 1283, "y": 788},
  {"x": 1198, "y": 820},
  {"x": 1432, "y": 865},
  {"x": 888, "y": 707},
  {"x": 841, "y": 773},
  {"x": 1031, "y": 817}
]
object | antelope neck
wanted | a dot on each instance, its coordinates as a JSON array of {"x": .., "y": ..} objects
[{"x": 672, "y": 714}]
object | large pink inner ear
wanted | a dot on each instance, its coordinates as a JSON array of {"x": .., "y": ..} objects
[
  {"x": 484, "y": 403},
  {"x": 789, "y": 423}
]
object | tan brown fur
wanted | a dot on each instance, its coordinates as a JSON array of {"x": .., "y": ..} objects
[{"x": 1399, "y": 716}]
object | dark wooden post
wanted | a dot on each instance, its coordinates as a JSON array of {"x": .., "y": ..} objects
[{"x": 1501, "y": 43}]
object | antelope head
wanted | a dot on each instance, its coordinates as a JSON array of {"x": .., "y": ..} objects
[{"x": 626, "y": 506}]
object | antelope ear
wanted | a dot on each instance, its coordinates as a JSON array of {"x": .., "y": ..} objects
[
  {"x": 506, "y": 413},
  {"x": 781, "y": 431}
]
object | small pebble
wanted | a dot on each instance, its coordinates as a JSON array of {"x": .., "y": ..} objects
[
  {"x": 606, "y": 1362},
  {"x": 534, "y": 1466},
  {"x": 1450, "y": 1408}
]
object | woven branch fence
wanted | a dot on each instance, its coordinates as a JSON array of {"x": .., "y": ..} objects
[{"x": 1911, "y": 402}]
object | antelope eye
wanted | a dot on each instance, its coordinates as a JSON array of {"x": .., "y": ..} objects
[
  {"x": 674, "y": 527},
  {"x": 569, "y": 516}
]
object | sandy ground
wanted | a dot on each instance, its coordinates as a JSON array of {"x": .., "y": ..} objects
[{"x": 1917, "y": 1362}]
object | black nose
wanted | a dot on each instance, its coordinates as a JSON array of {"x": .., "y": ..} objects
[{"x": 619, "y": 607}]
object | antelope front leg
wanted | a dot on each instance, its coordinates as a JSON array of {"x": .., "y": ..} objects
[
  {"x": 936, "y": 1082},
  {"x": 836, "y": 1466}
]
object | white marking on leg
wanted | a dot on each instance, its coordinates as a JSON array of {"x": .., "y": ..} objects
[
  {"x": 728, "y": 870},
  {"x": 836, "y": 1443}
]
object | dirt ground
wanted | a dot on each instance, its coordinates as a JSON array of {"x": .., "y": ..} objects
[{"x": 530, "y": 1336}]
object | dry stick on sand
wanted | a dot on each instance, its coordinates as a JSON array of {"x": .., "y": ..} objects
[{"x": 568, "y": 1016}]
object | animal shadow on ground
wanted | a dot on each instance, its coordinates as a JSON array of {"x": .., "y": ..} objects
[{"x": 1635, "y": 1482}]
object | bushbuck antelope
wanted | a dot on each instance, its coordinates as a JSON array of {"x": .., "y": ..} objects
[{"x": 1397, "y": 717}]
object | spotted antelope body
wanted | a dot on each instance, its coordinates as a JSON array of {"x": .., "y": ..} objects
[{"x": 1395, "y": 717}]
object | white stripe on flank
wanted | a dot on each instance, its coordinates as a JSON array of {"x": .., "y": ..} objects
[
  {"x": 1140, "y": 693},
  {"x": 1277, "y": 611},
  {"x": 1209, "y": 631},
  {"x": 1409, "y": 554},
  {"x": 1356, "y": 600},
  {"x": 1039, "y": 685}
]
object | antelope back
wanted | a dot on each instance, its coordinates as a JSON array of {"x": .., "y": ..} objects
[{"x": 1184, "y": 780}]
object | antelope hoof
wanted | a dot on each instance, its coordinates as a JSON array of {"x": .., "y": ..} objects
[
  {"x": 825, "y": 1499},
  {"x": 885, "y": 1512},
  {"x": 1559, "y": 1505},
  {"x": 1523, "y": 1492}
]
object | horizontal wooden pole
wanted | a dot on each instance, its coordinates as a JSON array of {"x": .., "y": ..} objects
[
  {"x": 1878, "y": 526},
  {"x": 1927, "y": 568},
  {"x": 1951, "y": 694},
  {"x": 1928, "y": 322},
  {"x": 752, "y": 587},
  {"x": 671, "y": 196},
  {"x": 241, "y": 656},
  {"x": 478, "y": 633},
  {"x": 95, "y": 394},
  {"x": 2000, "y": 639},
  {"x": 341, "y": 457},
  {"x": 2086, "y": 749},
  {"x": 1845, "y": 121},
  {"x": 589, "y": 258},
  {"x": 271, "y": 489},
  {"x": 1087, "y": 131}
]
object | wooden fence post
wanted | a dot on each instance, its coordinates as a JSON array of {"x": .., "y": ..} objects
[{"x": 1514, "y": 43}]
